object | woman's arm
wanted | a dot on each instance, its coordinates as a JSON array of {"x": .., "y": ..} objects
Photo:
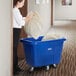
[{"x": 18, "y": 17}]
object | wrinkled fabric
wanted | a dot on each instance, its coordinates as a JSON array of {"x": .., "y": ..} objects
[
  {"x": 50, "y": 36},
  {"x": 34, "y": 28}
]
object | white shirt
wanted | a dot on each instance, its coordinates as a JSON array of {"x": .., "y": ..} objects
[{"x": 18, "y": 20}]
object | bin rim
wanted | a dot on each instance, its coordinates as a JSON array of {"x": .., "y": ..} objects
[{"x": 37, "y": 41}]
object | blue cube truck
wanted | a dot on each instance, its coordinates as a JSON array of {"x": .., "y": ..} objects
[{"x": 42, "y": 53}]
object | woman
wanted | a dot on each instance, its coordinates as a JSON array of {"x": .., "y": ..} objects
[{"x": 18, "y": 22}]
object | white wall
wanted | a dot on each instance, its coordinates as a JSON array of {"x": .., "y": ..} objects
[
  {"x": 44, "y": 10},
  {"x": 65, "y": 12},
  {"x": 5, "y": 37}
]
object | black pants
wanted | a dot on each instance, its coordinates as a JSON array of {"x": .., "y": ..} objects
[{"x": 16, "y": 34}]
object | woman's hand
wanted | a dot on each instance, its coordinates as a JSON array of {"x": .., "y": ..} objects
[{"x": 29, "y": 16}]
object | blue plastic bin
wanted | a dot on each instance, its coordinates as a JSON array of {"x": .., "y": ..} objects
[{"x": 42, "y": 53}]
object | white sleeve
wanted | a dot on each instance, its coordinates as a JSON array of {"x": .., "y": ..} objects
[
  {"x": 18, "y": 17},
  {"x": 24, "y": 18}
]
